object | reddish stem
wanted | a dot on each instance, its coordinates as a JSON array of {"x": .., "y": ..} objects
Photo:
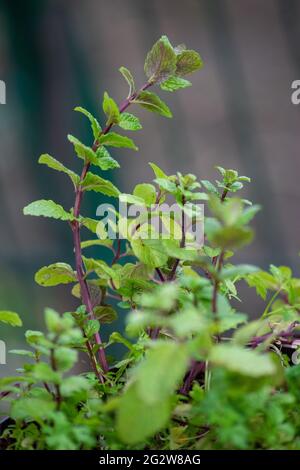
[{"x": 81, "y": 274}]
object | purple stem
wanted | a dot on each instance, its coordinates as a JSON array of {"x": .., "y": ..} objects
[
  {"x": 256, "y": 340},
  {"x": 81, "y": 274},
  {"x": 196, "y": 369}
]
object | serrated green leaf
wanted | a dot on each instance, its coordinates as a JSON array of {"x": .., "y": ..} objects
[
  {"x": 82, "y": 150},
  {"x": 174, "y": 83},
  {"x": 116, "y": 140},
  {"x": 136, "y": 420},
  {"x": 236, "y": 186},
  {"x": 43, "y": 372},
  {"x": 57, "y": 323},
  {"x": 210, "y": 187},
  {"x": 263, "y": 282},
  {"x": 105, "y": 314},
  {"x": 33, "y": 337},
  {"x": 55, "y": 274},
  {"x": 160, "y": 61},
  {"x": 221, "y": 170},
  {"x": 47, "y": 208},
  {"x": 88, "y": 243},
  {"x": 96, "y": 128},
  {"x": 146, "y": 192},
  {"x": 65, "y": 358},
  {"x": 188, "y": 61},
  {"x": 166, "y": 184},
  {"x": 159, "y": 173},
  {"x": 129, "y": 122},
  {"x": 95, "y": 183},
  {"x": 243, "y": 361},
  {"x": 231, "y": 237},
  {"x": 148, "y": 256},
  {"x": 131, "y": 199},
  {"x": 110, "y": 109},
  {"x": 91, "y": 328},
  {"x": 163, "y": 368},
  {"x": 73, "y": 385},
  {"x": 152, "y": 102},
  {"x": 100, "y": 158},
  {"x": 129, "y": 79},
  {"x": 11, "y": 318},
  {"x": 248, "y": 214},
  {"x": 230, "y": 176},
  {"x": 228, "y": 211},
  {"x": 51, "y": 162},
  {"x": 240, "y": 270},
  {"x": 105, "y": 160},
  {"x": 90, "y": 224},
  {"x": 32, "y": 409},
  {"x": 171, "y": 248}
]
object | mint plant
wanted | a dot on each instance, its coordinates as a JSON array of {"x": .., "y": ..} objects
[{"x": 195, "y": 374}]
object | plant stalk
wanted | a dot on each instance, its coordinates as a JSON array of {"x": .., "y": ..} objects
[{"x": 81, "y": 274}]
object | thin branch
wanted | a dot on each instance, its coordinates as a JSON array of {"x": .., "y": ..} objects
[
  {"x": 197, "y": 367},
  {"x": 222, "y": 199},
  {"x": 92, "y": 358},
  {"x": 58, "y": 396},
  {"x": 288, "y": 333},
  {"x": 182, "y": 243},
  {"x": 117, "y": 252},
  {"x": 216, "y": 283},
  {"x": 160, "y": 274}
]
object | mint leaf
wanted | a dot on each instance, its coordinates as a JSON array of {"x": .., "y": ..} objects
[
  {"x": 91, "y": 328},
  {"x": 105, "y": 314},
  {"x": 146, "y": 192},
  {"x": 95, "y": 183},
  {"x": 243, "y": 361},
  {"x": 74, "y": 384},
  {"x": 162, "y": 369},
  {"x": 51, "y": 162},
  {"x": 111, "y": 110},
  {"x": 160, "y": 61},
  {"x": 11, "y": 318},
  {"x": 210, "y": 187},
  {"x": 82, "y": 150},
  {"x": 55, "y": 274},
  {"x": 132, "y": 199},
  {"x": 137, "y": 420},
  {"x": 129, "y": 79},
  {"x": 90, "y": 224},
  {"x": 129, "y": 122},
  {"x": 153, "y": 103},
  {"x": 105, "y": 160},
  {"x": 159, "y": 173},
  {"x": 32, "y": 408},
  {"x": 96, "y": 242},
  {"x": 174, "y": 83},
  {"x": 96, "y": 128},
  {"x": 116, "y": 140},
  {"x": 188, "y": 62},
  {"x": 239, "y": 270},
  {"x": 148, "y": 256},
  {"x": 47, "y": 208}
]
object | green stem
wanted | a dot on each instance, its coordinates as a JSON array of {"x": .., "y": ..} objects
[{"x": 271, "y": 301}]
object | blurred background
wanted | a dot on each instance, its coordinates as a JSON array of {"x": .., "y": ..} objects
[{"x": 56, "y": 54}]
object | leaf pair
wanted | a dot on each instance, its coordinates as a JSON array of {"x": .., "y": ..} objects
[{"x": 164, "y": 63}]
